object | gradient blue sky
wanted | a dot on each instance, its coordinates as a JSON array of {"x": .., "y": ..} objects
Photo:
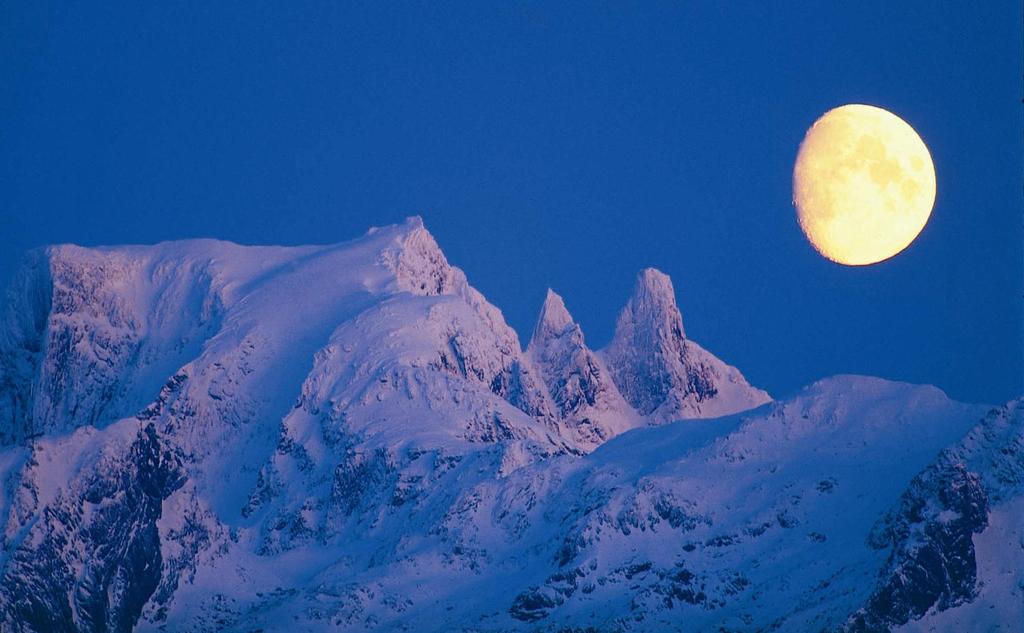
[{"x": 565, "y": 146}]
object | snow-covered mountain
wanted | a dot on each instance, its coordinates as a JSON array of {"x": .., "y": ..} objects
[{"x": 202, "y": 436}]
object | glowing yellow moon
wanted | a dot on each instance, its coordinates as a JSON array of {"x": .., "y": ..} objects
[{"x": 863, "y": 184}]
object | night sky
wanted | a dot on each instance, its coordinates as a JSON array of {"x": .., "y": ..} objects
[{"x": 563, "y": 146}]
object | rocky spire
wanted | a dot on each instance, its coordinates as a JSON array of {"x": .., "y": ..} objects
[
  {"x": 662, "y": 374},
  {"x": 579, "y": 384},
  {"x": 554, "y": 319},
  {"x": 647, "y": 353}
]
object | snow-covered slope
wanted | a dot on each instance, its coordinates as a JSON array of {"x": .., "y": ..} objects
[{"x": 203, "y": 436}]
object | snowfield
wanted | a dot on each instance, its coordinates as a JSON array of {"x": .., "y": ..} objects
[{"x": 201, "y": 436}]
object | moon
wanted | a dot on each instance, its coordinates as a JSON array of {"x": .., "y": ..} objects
[{"x": 863, "y": 185}]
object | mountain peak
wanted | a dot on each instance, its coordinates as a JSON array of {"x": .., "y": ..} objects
[
  {"x": 654, "y": 301},
  {"x": 554, "y": 317},
  {"x": 414, "y": 222},
  {"x": 659, "y": 371},
  {"x": 419, "y": 265},
  {"x": 653, "y": 278}
]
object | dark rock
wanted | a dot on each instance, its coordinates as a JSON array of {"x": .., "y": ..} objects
[
  {"x": 93, "y": 571},
  {"x": 932, "y": 562}
]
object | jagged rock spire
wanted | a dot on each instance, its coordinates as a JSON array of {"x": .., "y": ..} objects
[
  {"x": 577, "y": 380},
  {"x": 554, "y": 318},
  {"x": 654, "y": 301},
  {"x": 660, "y": 372},
  {"x": 647, "y": 354}
]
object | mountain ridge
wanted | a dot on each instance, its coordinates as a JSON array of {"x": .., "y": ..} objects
[{"x": 208, "y": 436}]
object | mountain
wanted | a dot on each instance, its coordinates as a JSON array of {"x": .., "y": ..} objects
[
  {"x": 663, "y": 374},
  {"x": 203, "y": 436}
]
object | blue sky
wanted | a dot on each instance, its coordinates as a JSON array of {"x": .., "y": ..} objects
[{"x": 564, "y": 146}]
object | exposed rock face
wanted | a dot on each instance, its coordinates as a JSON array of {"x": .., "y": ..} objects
[
  {"x": 580, "y": 385},
  {"x": 93, "y": 559},
  {"x": 931, "y": 561},
  {"x": 22, "y": 332},
  {"x": 663, "y": 374},
  {"x": 78, "y": 347},
  {"x": 932, "y": 564}
]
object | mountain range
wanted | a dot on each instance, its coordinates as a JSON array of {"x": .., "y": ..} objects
[{"x": 202, "y": 436}]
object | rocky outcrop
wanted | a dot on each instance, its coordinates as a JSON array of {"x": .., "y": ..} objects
[
  {"x": 932, "y": 564},
  {"x": 93, "y": 559}
]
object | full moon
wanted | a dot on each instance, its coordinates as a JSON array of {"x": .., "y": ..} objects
[{"x": 863, "y": 185}]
